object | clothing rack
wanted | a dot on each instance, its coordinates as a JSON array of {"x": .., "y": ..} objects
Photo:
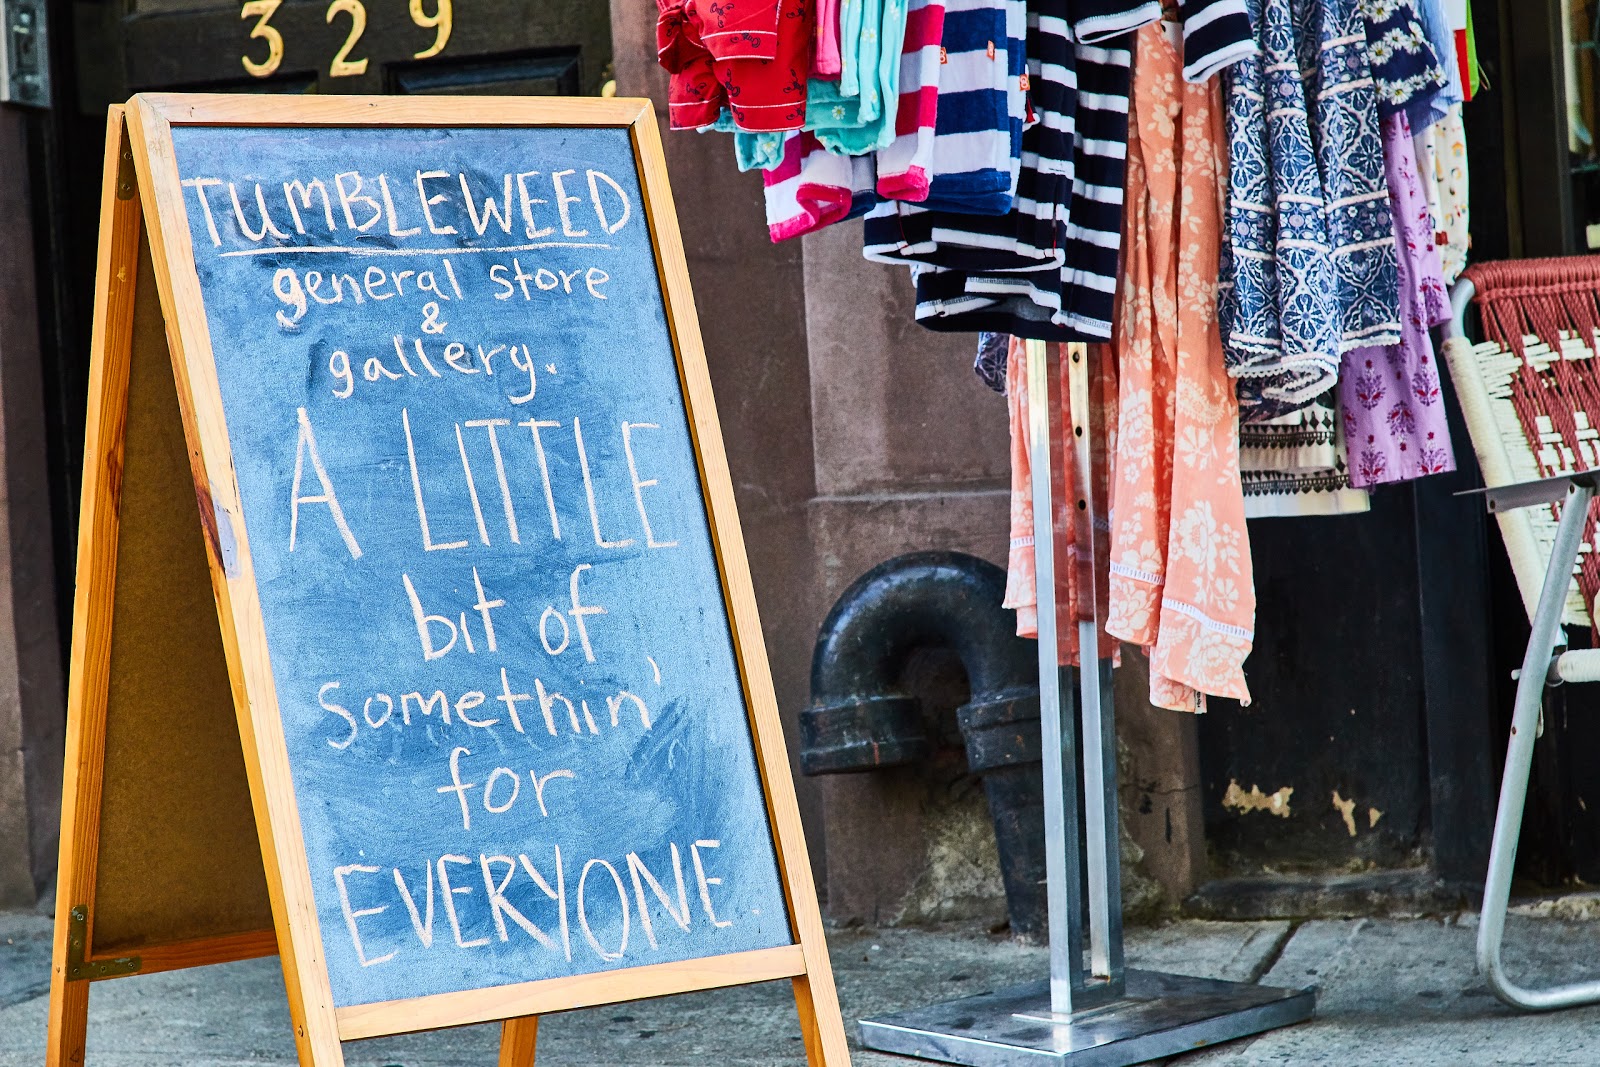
[{"x": 1101, "y": 1013}]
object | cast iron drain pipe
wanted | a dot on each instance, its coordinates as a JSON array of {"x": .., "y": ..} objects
[{"x": 859, "y": 720}]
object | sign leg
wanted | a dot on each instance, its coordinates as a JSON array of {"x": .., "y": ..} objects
[
  {"x": 69, "y": 1020},
  {"x": 116, "y": 279},
  {"x": 517, "y": 1040},
  {"x": 821, "y": 1025}
]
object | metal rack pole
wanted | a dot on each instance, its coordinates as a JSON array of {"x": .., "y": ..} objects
[
  {"x": 1101, "y": 827},
  {"x": 1058, "y": 749},
  {"x": 1103, "y": 1015}
]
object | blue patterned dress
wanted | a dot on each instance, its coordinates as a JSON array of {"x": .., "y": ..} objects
[{"x": 1309, "y": 269}]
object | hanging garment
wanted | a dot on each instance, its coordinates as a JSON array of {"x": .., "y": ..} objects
[
  {"x": 751, "y": 151},
  {"x": 853, "y": 113},
  {"x": 856, "y": 114},
  {"x": 1350, "y": 155},
  {"x": 1053, "y": 272},
  {"x": 1409, "y": 72},
  {"x": 1022, "y": 575},
  {"x": 813, "y": 188},
  {"x": 1423, "y": 148},
  {"x": 1066, "y": 230},
  {"x": 1216, "y": 35},
  {"x": 1390, "y": 396},
  {"x": 1309, "y": 269},
  {"x": 749, "y": 57},
  {"x": 1006, "y": 240},
  {"x": 975, "y": 142},
  {"x": 825, "y": 56},
  {"x": 1437, "y": 25},
  {"x": 1442, "y": 162},
  {"x": 905, "y": 167},
  {"x": 1181, "y": 584},
  {"x": 1280, "y": 320},
  {"x": 1073, "y": 568},
  {"x": 1295, "y": 465},
  {"x": 1458, "y": 14},
  {"x": 974, "y": 155},
  {"x": 994, "y": 349}
]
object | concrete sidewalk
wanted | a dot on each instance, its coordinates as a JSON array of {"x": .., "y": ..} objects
[{"x": 1393, "y": 993}]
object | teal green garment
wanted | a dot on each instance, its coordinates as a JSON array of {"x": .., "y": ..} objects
[
  {"x": 752, "y": 151},
  {"x": 856, "y": 114},
  {"x": 762, "y": 151},
  {"x": 852, "y": 17},
  {"x": 759, "y": 150}
]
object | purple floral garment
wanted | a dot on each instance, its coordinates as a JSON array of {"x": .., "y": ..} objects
[{"x": 1394, "y": 418}]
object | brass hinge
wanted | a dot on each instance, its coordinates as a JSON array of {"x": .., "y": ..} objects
[
  {"x": 127, "y": 179},
  {"x": 82, "y": 970}
]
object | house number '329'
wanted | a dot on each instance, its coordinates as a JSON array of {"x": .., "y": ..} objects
[{"x": 343, "y": 65}]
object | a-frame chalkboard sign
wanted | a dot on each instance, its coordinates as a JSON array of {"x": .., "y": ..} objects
[{"x": 486, "y": 730}]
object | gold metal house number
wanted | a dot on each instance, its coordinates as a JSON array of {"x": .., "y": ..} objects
[{"x": 441, "y": 21}]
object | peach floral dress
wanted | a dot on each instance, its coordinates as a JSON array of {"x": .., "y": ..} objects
[
  {"x": 1181, "y": 584},
  {"x": 1181, "y": 580}
]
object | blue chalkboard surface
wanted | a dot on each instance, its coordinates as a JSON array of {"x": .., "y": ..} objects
[{"x": 515, "y": 719}]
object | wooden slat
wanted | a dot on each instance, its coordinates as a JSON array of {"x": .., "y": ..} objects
[
  {"x": 226, "y": 109},
  {"x": 561, "y": 994},
  {"x": 238, "y": 603},
  {"x": 200, "y": 952},
  {"x": 518, "y": 1040},
  {"x": 815, "y": 995},
  {"x": 115, "y": 283}
]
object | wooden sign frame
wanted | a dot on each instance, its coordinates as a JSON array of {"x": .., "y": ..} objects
[{"x": 142, "y": 199}]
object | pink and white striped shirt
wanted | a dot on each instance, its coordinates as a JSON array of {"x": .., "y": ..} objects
[
  {"x": 905, "y": 167},
  {"x": 812, "y": 187}
]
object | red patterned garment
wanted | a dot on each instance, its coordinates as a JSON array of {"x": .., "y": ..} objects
[
  {"x": 1071, "y": 528},
  {"x": 748, "y": 56}
]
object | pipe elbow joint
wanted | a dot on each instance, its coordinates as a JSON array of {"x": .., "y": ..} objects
[{"x": 859, "y": 718}]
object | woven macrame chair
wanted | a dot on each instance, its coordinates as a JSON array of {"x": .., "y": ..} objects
[{"x": 1530, "y": 393}]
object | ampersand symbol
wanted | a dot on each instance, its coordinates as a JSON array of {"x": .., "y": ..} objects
[{"x": 430, "y": 318}]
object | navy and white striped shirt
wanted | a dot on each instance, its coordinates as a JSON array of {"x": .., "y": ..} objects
[
  {"x": 979, "y": 122},
  {"x": 1047, "y": 269}
]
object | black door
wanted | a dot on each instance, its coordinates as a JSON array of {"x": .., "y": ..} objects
[{"x": 507, "y": 47}]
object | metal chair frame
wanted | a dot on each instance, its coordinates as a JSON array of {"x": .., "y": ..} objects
[{"x": 1545, "y": 663}]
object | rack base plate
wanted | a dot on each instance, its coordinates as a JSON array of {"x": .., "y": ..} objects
[{"x": 1160, "y": 1015}]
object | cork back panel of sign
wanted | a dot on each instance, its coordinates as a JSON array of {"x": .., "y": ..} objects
[{"x": 179, "y": 858}]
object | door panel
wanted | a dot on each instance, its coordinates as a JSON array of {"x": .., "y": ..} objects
[
  {"x": 511, "y": 47},
  {"x": 552, "y": 73}
]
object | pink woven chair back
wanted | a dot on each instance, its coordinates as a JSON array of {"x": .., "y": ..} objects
[{"x": 1555, "y": 305}]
